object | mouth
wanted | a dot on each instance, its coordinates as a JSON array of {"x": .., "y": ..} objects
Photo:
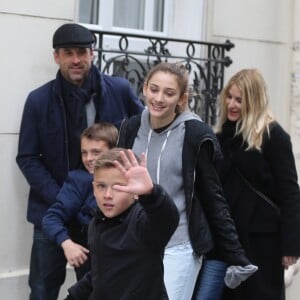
[
  {"x": 75, "y": 69},
  {"x": 108, "y": 206},
  {"x": 233, "y": 112},
  {"x": 156, "y": 106}
]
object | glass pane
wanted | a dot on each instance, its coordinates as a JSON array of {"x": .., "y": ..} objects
[
  {"x": 158, "y": 16},
  {"x": 129, "y": 13},
  {"x": 88, "y": 11}
]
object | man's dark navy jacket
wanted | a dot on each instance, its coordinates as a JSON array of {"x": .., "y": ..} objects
[{"x": 43, "y": 143}]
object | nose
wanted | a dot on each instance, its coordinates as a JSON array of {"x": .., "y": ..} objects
[
  {"x": 108, "y": 193},
  {"x": 75, "y": 59},
  {"x": 159, "y": 97},
  {"x": 90, "y": 157},
  {"x": 230, "y": 103}
]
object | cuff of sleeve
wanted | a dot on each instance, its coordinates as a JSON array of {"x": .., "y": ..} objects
[
  {"x": 235, "y": 275},
  {"x": 154, "y": 199},
  {"x": 61, "y": 238}
]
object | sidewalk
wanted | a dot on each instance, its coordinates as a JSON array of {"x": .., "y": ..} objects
[{"x": 16, "y": 288}]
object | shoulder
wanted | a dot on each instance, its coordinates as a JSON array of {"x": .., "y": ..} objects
[
  {"x": 115, "y": 80},
  {"x": 277, "y": 142},
  {"x": 198, "y": 134},
  {"x": 133, "y": 121},
  {"x": 128, "y": 131},
  {"x": 131, "y": 124},
  {"x": 80, "y": 173},
  {"x": 38, "y": 99},
  {"x": 277, "y": 131},
  {"x": 79, "y": 176},
  {"x": 43, "y": 89},
  {"x": 198, "y": 128},
  {"x": 277, "y": 136}
]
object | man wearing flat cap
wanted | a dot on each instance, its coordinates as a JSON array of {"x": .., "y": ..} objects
[{"x": 54, "y": 116}]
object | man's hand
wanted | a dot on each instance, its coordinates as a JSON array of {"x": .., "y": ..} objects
[{"x": 74, "y": 253}]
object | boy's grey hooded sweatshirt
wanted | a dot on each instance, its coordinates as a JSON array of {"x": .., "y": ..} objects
[{"x": 164, "y": 162}]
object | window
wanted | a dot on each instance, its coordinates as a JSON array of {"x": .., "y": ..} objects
[
  {"x": 132, "y": 18},
  {"x": 145, "y": 15},
  {"x": 88, "y": 11}
]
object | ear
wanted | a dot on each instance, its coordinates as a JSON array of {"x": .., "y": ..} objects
[
  {"x": 92, "y": 54},
  {"x": 94, "y": 188},
  {"x": 56, "y": 56},
  {"x": 183, "y": 100},
  {"x": 145, "y": 88}
]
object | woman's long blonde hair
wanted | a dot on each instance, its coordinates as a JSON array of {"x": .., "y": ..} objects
[{"x": 255, "y": 112}]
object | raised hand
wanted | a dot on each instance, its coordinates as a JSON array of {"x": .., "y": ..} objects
[{"x": 139, "y": 180}]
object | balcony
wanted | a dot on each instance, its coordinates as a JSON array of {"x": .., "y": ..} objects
[{"x": 132, "y": 55}]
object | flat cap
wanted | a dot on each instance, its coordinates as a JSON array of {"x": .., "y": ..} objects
[{"x": 72, "y": 35}]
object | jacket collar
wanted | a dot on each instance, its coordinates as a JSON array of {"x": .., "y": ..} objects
[{"x": 99, "y": 216}]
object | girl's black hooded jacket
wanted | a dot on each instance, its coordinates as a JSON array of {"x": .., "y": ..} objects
[{"x": 209, "y": 222}]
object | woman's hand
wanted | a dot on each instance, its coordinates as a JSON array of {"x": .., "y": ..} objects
[{"x": 288, "y": 261}]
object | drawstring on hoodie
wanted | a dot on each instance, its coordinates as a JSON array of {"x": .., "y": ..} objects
[{"x": 161, "y": 151}]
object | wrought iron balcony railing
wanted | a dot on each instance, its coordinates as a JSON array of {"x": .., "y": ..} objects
[{"x": 132, "y": 55}]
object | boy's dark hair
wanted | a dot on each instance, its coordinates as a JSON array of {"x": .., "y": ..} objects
[
  {"x": 106, "y": 159},
  {"x": 103, "y": 131}
]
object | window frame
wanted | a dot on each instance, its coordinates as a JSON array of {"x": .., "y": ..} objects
[{"x": 106, "y": 11}]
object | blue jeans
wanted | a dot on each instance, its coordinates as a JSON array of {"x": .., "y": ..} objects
[
  {"x": 211, "y": 280},
  {"x": 47, "y": 268}
]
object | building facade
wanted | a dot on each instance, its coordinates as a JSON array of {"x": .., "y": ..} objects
[{"x": 266, "y": 35}]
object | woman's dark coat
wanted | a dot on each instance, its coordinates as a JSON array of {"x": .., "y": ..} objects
[{"x": 265, "y": 233}]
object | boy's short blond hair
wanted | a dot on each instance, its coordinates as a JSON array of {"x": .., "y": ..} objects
[{"x": 106, "y": 159}]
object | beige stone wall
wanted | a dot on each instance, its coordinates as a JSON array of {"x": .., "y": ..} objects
[
  {"x": 293, "y": 291},
  {"x": 262, "y": 34},
  {"x": 26, "y": 29},
  {"x": 295, "y": 86}
]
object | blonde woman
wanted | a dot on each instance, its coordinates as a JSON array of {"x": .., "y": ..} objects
[{"x": 259, "y": 178}]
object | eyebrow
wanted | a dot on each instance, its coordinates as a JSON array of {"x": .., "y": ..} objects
[{"x": 167, "y": 88}]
